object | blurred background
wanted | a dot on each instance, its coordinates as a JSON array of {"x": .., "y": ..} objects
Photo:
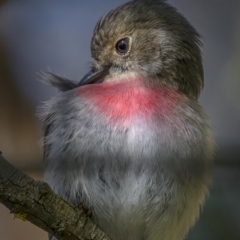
[{"x": 55, "y": 35}]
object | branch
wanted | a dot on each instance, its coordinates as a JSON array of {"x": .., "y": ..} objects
[{"x": 36, "y": 202}]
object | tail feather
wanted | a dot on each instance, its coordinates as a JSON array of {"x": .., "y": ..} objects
[{"x": 61, "y": 83}]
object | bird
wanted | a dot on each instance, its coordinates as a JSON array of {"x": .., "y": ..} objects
[{"x": 130, "y": 140}]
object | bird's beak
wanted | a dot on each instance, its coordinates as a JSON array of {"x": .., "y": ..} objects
[{"x": 94, "y": 77}]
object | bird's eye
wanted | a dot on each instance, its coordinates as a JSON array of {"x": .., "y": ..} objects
[{"x": 122, "y": 46}]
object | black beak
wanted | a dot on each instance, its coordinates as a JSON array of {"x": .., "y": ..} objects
[{"x": 93, "y": 77}]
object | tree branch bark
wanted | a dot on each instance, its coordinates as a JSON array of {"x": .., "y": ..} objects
[{"x": 36, "y": 202}]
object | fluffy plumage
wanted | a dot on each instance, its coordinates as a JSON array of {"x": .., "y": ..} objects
[{"x": 136, "y": 147}]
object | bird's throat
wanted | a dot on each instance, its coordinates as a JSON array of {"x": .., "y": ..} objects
[{"x": 126, "y": 101}]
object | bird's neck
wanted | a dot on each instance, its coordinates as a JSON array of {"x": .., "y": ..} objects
[{"x": 126, "y": 100}]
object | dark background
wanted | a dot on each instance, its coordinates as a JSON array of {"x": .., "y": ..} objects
[{"x": 55, "y": 35}]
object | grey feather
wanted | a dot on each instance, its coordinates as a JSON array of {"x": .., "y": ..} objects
[{"x": 61, "y": 83}]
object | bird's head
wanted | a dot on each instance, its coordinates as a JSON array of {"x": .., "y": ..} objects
[{"x": 151, "y": 40}]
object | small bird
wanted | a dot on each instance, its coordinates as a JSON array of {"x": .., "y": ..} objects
[{"x": 130, "y": 141}]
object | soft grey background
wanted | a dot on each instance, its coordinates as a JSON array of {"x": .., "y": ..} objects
[{"x": 55, "y": 35}]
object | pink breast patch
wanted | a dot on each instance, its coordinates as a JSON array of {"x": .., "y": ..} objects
[{"x": 124, "y": 101}]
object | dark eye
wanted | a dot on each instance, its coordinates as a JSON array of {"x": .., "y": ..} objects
[{"x": 122, "y": 46}]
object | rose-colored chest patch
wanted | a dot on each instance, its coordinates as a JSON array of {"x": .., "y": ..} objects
[{"x": 122, "y": 102}]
